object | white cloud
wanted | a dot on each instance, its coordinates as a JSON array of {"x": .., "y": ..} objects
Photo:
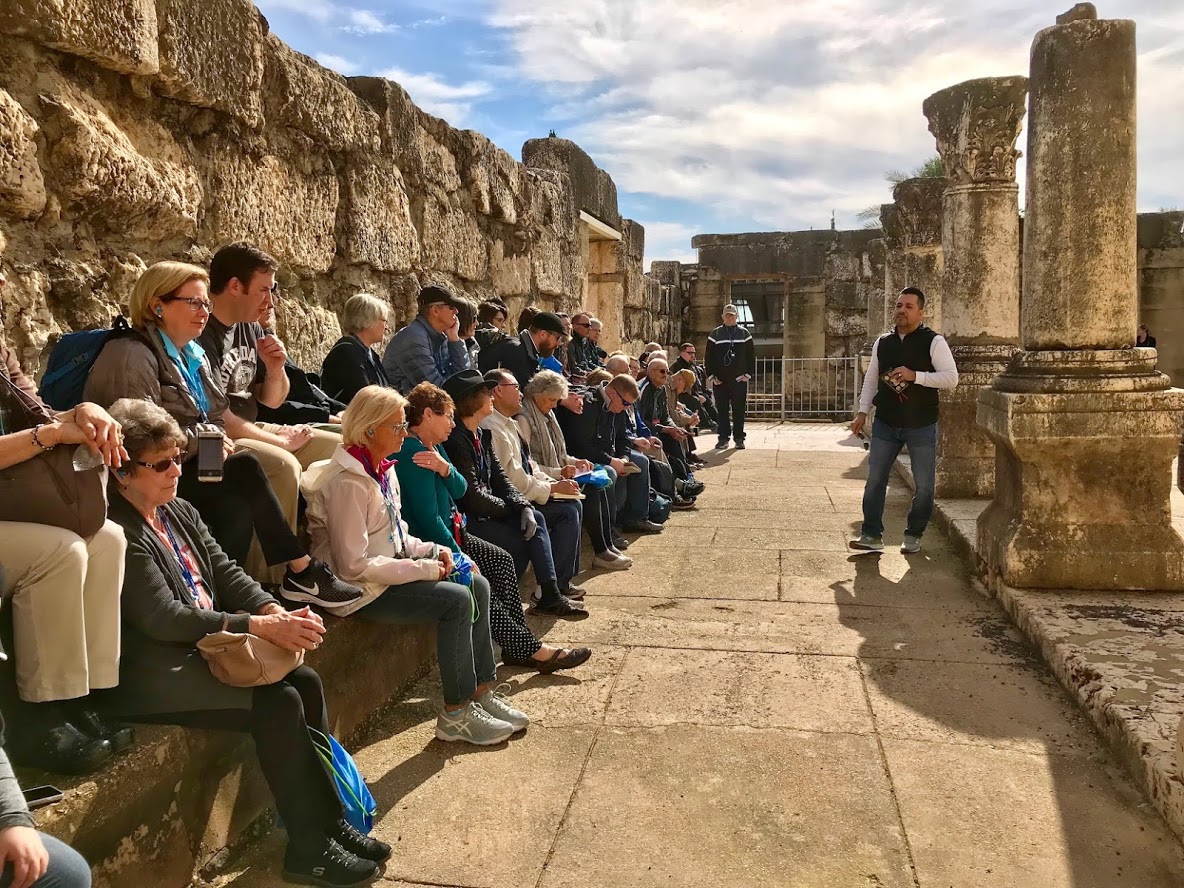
[
  {"x": 669, "y": 240},
  {"x": 318, "y": 10},
  {"x": 775, "y": 113},
  {"x": 337, "y": 63},
  {"x": 362, "y": 21},
  {"x": 453, "y": 102}
]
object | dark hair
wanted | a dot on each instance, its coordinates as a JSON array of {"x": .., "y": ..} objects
[
  {"x": 489, "y": 309},
  {"x": 239, "y": 260},
  {"x": 471, "y": 401},
  {"x": 425, "y": 397},
  {"x": 914, "y": 291},
  {"x": 526, "y": 316},
  {"x": 466, "y": 314}
]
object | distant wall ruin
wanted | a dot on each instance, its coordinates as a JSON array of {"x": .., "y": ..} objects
[{"x": 130, "y": 131}]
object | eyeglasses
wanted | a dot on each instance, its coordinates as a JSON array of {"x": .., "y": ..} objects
[
  {"x": 400, "y": 427},
  {"x": 513, "y": 385},
  {"x": 163, "y": 465},
  {"x": 194, "y": 303},
  {"x": 581, "y": 325},
  {"x": 660, "y": 372}
]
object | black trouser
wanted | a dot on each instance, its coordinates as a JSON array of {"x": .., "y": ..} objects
[
  {"x": 729, "y": 399},
  {"x": 278, "y": 720},
  {"x": 676, "y": 456},
  {"x": 239, "y": 505},
  {"x": 705, "y": 409}
]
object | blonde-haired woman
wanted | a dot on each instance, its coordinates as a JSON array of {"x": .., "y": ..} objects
[
  {"x": 356, "y": 524},
  {"x": 161, "y": 362},
  {"x": 352, "y": 363},
  {"x": 679, "y": 383}
]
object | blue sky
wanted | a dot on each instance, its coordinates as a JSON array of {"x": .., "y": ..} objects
[{"x": 713, "y": 116}]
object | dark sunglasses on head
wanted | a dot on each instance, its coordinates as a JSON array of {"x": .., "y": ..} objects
[{"x": 163, "y": 465}]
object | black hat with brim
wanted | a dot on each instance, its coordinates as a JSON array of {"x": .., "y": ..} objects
[
  {"x": 460, "y": 384},
  {"x": 549, "y": 321}
]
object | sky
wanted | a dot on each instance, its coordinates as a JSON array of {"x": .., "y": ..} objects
[{"x": 716, "y": 116}]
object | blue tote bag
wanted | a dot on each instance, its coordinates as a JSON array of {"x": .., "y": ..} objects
[{"x": 359, "y": 804}]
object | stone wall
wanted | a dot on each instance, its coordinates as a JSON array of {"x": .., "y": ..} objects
[
  {"x": 1161, "y": 287},
  {"x": 130, "y": 133}
]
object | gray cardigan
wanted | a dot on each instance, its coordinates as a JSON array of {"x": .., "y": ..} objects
[
  {"x": 13, "y": 810},
  {"x": 160, "y": 669}
]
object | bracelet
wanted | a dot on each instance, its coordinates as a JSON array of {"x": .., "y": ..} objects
[{"x": 37, "y": 440}]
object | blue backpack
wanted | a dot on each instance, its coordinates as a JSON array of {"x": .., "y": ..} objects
[{"x": 70, "y": 363}]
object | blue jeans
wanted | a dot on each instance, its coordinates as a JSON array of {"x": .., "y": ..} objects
[
  {"x": 67, "y": 868},
  {"x": 730, "y": 398},
  {"x": 886, "y": 445},
  {"x": 633, "y": 495},
  {"x": 506, "y": 533},
  {"x": 464, "y": 649},
  {"x": 565, "y": 520}
]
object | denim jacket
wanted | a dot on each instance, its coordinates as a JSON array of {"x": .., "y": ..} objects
[{"x": 417, "y": 353}]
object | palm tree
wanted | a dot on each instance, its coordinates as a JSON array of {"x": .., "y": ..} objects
[{"x": 869, "y": 217}]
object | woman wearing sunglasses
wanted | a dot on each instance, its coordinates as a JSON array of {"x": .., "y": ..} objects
[
  {"x": 161, "y": 362},
  {"x": 179, "y": 587},
  {"x": 356, "y": 523}
]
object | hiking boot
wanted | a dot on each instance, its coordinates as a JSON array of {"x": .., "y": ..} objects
[
  {"x": 683, "y": 504},
  {"x": 316, "y": 584},
  {"x": 326, "y": 864},
  {"x": 472, "y": 725},
  {"x": 911, "y": 544},
  {"x": 868, "y": 543},
  {"x": 610, "y": 560},
  {"x": 495, "y": 703},
  {"x": 358, "y": 843}
]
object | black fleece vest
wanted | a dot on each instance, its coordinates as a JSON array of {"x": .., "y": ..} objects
[{"x": 916, "y": 406}]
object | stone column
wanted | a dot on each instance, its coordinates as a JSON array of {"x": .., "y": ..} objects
[
  {"x": 1085, "y": 427},
  {"x": 976, "y": 124},
  {"x": 877, "y": 252},
  {"x": 919, "y": 223}
]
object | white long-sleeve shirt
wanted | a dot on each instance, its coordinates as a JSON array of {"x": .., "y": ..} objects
[{"x": 944, "y": 374}]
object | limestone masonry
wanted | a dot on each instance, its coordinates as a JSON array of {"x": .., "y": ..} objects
[{"x": 138, "y": 130}]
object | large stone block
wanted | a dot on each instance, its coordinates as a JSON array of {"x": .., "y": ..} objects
[
  {"x": 593, "y": 188},
  {"x": 376, "y": 226},
  {"x": 493, "y": 176},
  {"x": 26, "y": 322},
  {"x": 211, "y": 54},
  {"x": 452, "y": 240},
  {"x": 509, "y": 270},
  {"x": 555, "y": 240},
  {"x": 286, "y": 205},
  {"x": 128, "y": 175},
  {"x": 22, "y": 187},
  {"x": 300, "y": 93},
  {"x": 117, "y": 34}
]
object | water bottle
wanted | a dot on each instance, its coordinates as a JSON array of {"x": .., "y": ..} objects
[{"x": 85, "y": 459}]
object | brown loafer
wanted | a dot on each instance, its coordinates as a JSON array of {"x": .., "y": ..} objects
[{"x": 563, "y": 658}]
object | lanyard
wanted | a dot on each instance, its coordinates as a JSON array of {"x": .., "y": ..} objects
[
  {"x": 191, "y": 380},
  {"x": 190, "y": 580},
  {"x": 482, "y": 478},
  {"x": 392, "y": 515}
]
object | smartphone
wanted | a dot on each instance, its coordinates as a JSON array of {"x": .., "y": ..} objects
[
  {"x": 209, "y": 455},
  {"x": 40, "y": 796}
]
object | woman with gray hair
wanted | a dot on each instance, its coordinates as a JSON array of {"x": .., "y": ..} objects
[
  {"x": 352, "y": 364},
  {"x": 548, "y": 450}
]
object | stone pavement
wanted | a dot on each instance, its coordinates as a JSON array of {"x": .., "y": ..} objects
[{"x": 765, "y": 709}]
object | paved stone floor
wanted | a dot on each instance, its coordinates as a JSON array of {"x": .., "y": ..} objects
[{"x": 765, "y": 709}]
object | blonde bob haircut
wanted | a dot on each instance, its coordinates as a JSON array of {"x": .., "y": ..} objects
[
  {"x": 363, "y": 310},
  {"x": 686, "y": 375},
  {"x": 160, "y": 281},
  {"x": 367, "y": 410}
]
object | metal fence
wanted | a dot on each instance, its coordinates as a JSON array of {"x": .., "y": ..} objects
[{"x": 804, "y": 388}]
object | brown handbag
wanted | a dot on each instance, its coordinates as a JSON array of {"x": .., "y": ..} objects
[
  {"x": 242, "y": 660},
  {"x": 46, "y": 489}
]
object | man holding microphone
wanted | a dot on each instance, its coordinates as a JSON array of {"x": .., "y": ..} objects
[{"x": 909, "y": 364}]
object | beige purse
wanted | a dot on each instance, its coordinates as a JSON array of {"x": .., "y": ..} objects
[{"x": 242, "y": 660}]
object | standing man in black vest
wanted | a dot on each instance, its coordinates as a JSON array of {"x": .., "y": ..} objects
[
  {"x": 909, "y": 365},
  {"x": 731, "y": 363}
]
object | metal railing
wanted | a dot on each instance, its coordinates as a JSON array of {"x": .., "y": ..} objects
[{"x": 804, "y": 388}]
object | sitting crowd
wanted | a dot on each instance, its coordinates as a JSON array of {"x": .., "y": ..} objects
[{"x": 431, "y": 477}]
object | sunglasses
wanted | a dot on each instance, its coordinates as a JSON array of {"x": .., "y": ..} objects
[
  {"x": 163, "y": 465},
  {"x": 194, "y": 303}
]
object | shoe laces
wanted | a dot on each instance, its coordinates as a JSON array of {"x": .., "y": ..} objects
[
  {"x": 500, "y": 691},
  {"x": 479, "y": 714},
  {"x": 337, "y": 854}
]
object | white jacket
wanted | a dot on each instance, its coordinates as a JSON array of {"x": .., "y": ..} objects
[
  {"x": 507, "y": 446},
  {"x": 350, "y": 529}
]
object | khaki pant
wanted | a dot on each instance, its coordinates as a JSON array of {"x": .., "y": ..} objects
[
  {"x": 64, "y": 592},
  {"x": 283, "y": 471}
]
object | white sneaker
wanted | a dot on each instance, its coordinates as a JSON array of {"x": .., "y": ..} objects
[
  {"x": 495, "y": 703},
  {"x": 472, "y": 725},
  {"x": 609, "y": 561}
]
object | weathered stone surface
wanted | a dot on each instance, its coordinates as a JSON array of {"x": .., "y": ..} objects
[
  {"x": 133, "y": 171},
  {"x": 593, "y": 189},
  {"x": 452, "y": 240},
  {"x": 377, "y": 228},
  {"x": 117, "y": 34},
  {"x": 493, "y": 176},
  {"x": 306, "y": 96},
  {"x": 976, "y": 124},
  {"x": 288, "y": 206},
  {"x": 509, "y": 271},
  {"x": 201, "y": 63},
  {"x": 553, "y": 218},
  {"x": 917, "y": 221},
  {"x": 22, "y": 187}
]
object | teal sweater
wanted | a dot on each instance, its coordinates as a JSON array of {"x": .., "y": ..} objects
[{"x": 426, "y": 498}]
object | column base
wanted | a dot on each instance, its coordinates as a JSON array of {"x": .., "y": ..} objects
[
  {"x": 1083, "y": 486},
  {"x": 965, "y": 453}
]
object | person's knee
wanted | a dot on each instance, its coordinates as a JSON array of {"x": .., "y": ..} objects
[
  {"x": 67, "y": 868},
  {"x": 456, "y": 598},
  {"x": 480, "y": 589},
  {"x": 109, "y": 540}
]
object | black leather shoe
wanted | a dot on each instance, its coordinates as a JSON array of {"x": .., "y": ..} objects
[
  {"x": 62, "y": 749},
  {"x": 120, "y": 736}
]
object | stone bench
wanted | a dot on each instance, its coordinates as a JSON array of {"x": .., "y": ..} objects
[{"x": 180, "y": 800}]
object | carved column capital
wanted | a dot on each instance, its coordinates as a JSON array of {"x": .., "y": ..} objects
[{"x": 976, "y": 124}]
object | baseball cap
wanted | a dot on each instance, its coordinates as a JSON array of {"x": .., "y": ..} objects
[
  {"x": 730, "y": 309},
  {"x": 432, "y": 294}
]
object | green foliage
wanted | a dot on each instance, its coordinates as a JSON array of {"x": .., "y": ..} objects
[{"x": 869, "y": 217}]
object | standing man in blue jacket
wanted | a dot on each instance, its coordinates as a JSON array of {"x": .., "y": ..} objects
[
  {"x": 730, "y": 364},
  {"x": 429, "y": 349}
]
